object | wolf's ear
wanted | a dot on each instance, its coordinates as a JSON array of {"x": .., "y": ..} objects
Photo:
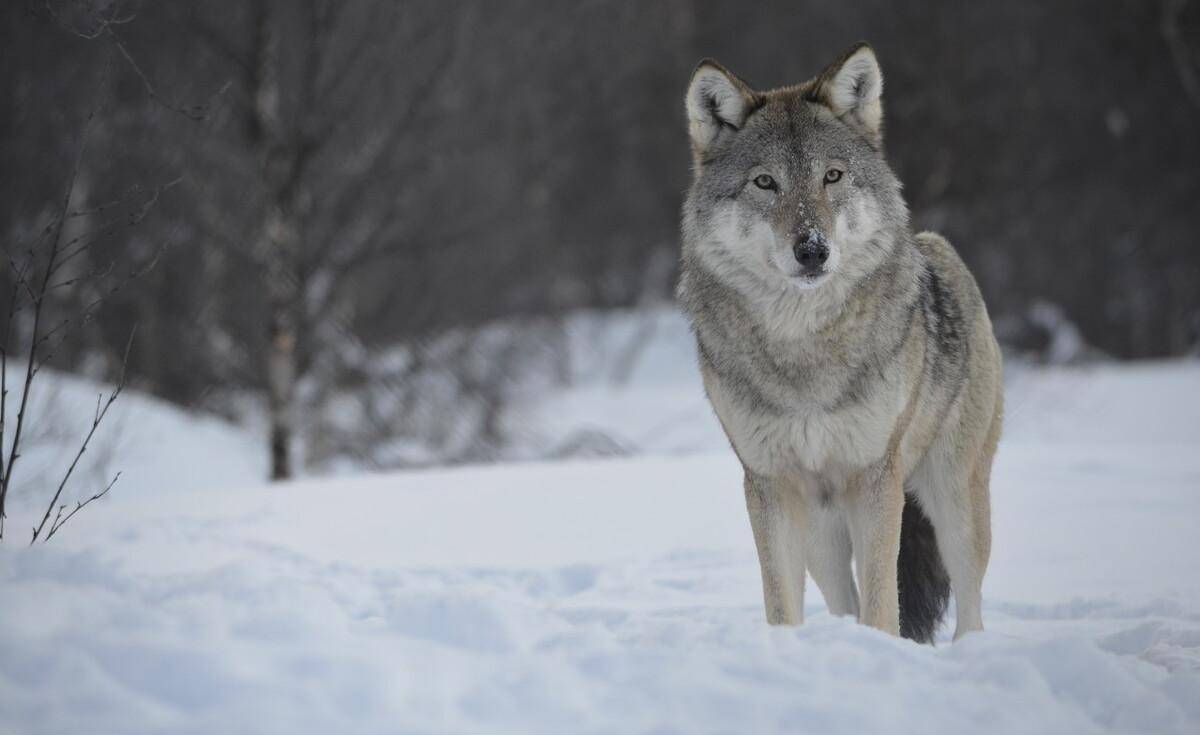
[
  {"x": 852, "y": 88},
  {"x": 717, "y": 101}
]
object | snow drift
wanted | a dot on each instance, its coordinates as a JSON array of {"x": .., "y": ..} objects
[{"x": 606, "y": 595}]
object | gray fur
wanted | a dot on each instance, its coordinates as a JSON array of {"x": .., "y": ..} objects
[{"x": 845, "y": 388}]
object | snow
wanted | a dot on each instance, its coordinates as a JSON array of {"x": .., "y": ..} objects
[
  {"x": 144, "y": 438},
  {"x": 605, "y": 595}
]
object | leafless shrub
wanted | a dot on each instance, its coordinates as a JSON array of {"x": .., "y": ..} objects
[
  {"x": 437, "y": 401},
  {"x": 39, "y": 320}
]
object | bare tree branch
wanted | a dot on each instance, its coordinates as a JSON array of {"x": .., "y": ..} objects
[
  {"x": 104, "y": 24},
  {"x": 83, "y": 242},
  {"x": 195, "y": 112},
  {"x": 39, "y": 299},
  {"x": 60, "y": 520},
  {"x": 102, "y": 20},
  {"x": 101, "y": 412},
  {"x": 380, "y": 154}
]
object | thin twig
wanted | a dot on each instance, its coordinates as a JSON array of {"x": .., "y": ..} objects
[
  {"x": 95, "y": 275},
  {"x": 111, "y": 227},
  {"x": 101, "y": 412},
  {"x": 196, "y": 112},
  {"x": 114, "y": 19},
  {"x": 105, "y": 25},
  {"x": 60, "y": 520},
  {"x": 89, "y": 310}
]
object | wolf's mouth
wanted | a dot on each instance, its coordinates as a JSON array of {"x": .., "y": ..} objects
[{"x": 809, "y": 281}]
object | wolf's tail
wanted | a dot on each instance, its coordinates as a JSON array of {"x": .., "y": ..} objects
[{"x": 924, "y": 584}]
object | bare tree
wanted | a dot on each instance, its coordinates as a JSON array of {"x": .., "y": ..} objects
[{"x": 325, "y": 135}]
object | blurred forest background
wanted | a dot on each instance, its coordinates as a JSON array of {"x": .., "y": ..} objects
[{"x": 356, "y": 222}]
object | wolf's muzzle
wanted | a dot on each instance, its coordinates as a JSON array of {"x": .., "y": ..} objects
[{"x": 811, "y": 251}]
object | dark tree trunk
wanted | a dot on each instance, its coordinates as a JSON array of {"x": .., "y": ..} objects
[
  {"x": 279, "y": 242},
  {"x": 282, "y": 291}
]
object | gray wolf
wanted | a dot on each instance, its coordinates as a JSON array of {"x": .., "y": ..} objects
[{"x": 850, "y": 361}]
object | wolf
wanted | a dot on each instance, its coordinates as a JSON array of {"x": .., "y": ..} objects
[{"x": 850, "y": 361}]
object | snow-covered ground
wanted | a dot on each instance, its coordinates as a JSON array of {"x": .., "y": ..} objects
[{"x": 598, "y": 595}]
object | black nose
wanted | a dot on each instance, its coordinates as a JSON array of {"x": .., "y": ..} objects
[{"x": 811, "y": 252}]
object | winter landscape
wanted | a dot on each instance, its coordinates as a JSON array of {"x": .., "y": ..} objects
[
  {"x": 349, "y": 379},
  {"x": 616, "y": 595}
]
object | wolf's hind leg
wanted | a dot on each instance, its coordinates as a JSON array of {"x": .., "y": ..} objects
[
  {"x": 828, "y": 552},
  {"x": 776, "y": 518},
  {"x": 956, "y": 502}
]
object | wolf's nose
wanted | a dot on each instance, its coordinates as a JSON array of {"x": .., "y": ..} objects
[{"x": 811, "y": 252}]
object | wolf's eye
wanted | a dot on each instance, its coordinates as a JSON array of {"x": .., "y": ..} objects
[
  {"x": 832, "y": 176},
  {"x": 764, "y": 181}
]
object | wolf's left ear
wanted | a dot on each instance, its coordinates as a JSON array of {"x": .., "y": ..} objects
[
  {"x": 717, "y": 102},
  {"x": 852, "y": 87}
]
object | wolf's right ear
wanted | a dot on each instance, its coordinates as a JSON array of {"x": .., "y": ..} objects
[
  {"x": 851, "y": 87},
  {"x": 717, "y": 101}
]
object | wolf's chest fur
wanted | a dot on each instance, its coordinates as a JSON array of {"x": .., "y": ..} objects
[
  {"x": 813, "y": 403},
  {"x": 819, "y": 427}
]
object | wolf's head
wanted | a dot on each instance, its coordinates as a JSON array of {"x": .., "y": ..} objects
[{"x": 791, "y": 189}]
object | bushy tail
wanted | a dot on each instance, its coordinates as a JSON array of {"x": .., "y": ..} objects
[{"x": 924, "y": 584}]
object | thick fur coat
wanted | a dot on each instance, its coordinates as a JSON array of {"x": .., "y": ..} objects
[{"x": 851, "y": 362}]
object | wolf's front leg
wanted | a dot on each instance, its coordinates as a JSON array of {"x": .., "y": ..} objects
[
  {"x": 875, "y": 508},
  {"x": 774, "y": 509}
]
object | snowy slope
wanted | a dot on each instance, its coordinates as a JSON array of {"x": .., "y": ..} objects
[
  {"x": 610, "y": 595},
  {"x": 605, "y": 596},
  {"x": 156, "y": 447}
]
